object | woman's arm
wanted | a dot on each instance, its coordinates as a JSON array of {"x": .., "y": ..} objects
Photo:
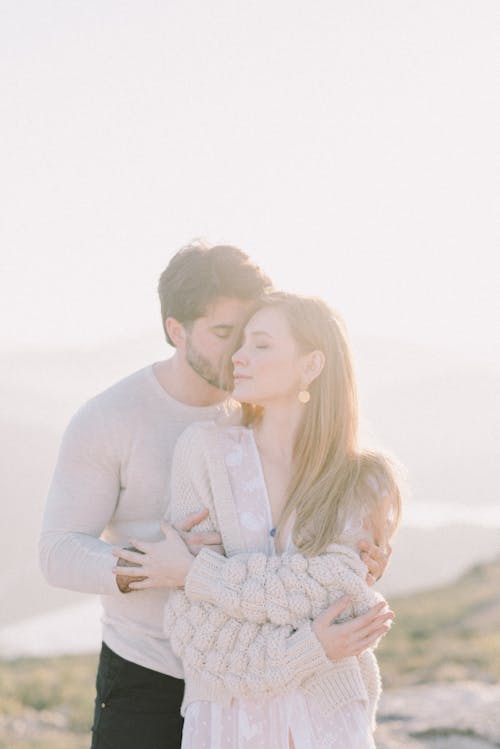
[
  {"x": 243, "y": 658},
  {"x": 287, "y": 589}
]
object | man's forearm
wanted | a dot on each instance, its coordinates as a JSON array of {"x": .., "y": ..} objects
[{"x": 77, "y": 561}]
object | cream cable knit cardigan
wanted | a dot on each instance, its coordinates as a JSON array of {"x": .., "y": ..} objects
[{"x": 256, "y": 640}]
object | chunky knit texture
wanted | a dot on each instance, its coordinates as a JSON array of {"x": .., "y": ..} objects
[{"x": 242, "y": 625}]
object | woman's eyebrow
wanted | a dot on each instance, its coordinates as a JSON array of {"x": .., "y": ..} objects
[{"x": 260, "y": 332}]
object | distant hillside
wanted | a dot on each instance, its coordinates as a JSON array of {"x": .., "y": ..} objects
[{"x": 450, "y": 633}]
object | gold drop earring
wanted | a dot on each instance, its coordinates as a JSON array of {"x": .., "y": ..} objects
[{"x": 304, "y": 396}]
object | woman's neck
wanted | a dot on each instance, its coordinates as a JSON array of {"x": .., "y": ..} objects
[{"x": 276, "y": 432}]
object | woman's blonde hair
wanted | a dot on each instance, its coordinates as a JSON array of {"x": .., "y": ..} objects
[{"x": 328, "y": 467}]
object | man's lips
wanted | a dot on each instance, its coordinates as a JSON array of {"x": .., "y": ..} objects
[{"x": 241, "y": 377}]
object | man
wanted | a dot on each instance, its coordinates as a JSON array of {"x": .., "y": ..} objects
[{"x": 110, "y": 484}]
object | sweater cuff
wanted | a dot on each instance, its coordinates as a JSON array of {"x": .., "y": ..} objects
[
  {"x": 305, "y": 654},
  {"x": 203, "y": 579}
]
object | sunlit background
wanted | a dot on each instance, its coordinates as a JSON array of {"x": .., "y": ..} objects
[{"x": 348, "y": 146}]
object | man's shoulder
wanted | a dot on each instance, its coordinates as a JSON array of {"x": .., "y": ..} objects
[
  {"x": 117, "y": 400},
  {"x": 126, "y": 388}
]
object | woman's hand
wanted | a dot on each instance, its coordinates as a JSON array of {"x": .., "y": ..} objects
[
  {"x": 160, "y": 564},
  {"x": 353, "y": 636}
]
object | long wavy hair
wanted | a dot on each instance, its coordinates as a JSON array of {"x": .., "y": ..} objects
[{"x": 329, "y": 470}]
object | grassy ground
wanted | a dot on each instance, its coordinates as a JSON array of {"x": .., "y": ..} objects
[
  {"x": 46, "y": 703},
  {"x": 450, "y": 633},
  {"x": 446, "y": 634}
]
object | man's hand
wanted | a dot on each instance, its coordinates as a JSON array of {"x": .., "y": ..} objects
[
  {"x": 197, "y": 540},
  {"x": 122, "y": 580},
  {"x": 375, "y": 558},
  {"x": 353, "y": 636},
  {"x": 156, "y": 564}
]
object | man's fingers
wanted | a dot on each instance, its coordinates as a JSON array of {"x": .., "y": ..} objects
[
  {"x": 140, "y": 584},
  {"x": 204, "y": 539},
  {"x": 168, "y": 529},
  {"x": 374, "y": 564},
  {"x": 134, "y": 572},
  {"x": 375, "y": 557},
  {"x": 191, "y": 520},
  {"x": 129, "y": 556},
  {"x": 143, "y": 546}
]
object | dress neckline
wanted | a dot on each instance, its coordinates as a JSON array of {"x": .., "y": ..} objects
[{"x": 260, "y": 468}]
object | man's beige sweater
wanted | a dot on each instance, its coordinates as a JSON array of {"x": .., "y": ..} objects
[{"x": 110, "y": 485}]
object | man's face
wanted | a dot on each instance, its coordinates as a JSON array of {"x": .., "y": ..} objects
[{"x": 208, "y": 339}]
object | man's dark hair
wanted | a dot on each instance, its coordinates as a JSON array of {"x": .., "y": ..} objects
[{"x": 198, "y": 275}]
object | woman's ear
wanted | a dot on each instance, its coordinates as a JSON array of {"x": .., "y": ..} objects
[
  {"x": 176, "y": 332},
  {"x": 313, "y": 365}
]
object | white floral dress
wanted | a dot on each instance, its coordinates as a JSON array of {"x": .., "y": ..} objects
[{"x": 290, "y": 721}]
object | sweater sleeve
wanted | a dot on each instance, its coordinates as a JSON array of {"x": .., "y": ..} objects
[
  {"x": 286, "y": 589},
  {"x": 82, "y": 499},
  {"x": 242, "y": 658}
]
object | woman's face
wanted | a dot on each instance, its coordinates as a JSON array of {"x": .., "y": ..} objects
[{"x": 268, "y": 366}]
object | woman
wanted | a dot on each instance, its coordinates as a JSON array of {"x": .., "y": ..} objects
[{"x": 289, "y": 481}]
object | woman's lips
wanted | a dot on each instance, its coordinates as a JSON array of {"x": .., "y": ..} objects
[{"x": 237, "y": 377}]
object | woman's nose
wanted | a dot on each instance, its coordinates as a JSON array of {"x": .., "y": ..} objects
[{"x": 238, "y": 357}]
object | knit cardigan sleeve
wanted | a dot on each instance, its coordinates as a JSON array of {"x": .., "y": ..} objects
[{"x": 286, "y": 589}]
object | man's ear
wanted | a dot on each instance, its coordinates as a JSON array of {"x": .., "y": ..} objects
[
  {"x": 313, "y": 365},
  {"x": 176, "y": 332}
]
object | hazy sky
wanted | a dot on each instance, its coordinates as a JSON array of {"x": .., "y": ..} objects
[{"x": 348, "y": 146}]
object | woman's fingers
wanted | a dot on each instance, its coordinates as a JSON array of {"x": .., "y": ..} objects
[
  {"x": 370, "y": 632},
  {"x": 333, "y": 611},
  {"x": 365, "y": 620},
  {"x": 375, "y": 624},
  {"x": 370, "y": 640}
]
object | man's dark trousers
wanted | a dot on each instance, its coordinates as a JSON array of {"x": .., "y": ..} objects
[{"x": 135, "y": 707}]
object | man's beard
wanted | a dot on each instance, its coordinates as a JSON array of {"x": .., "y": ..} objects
[{"x": 199, "y": 364}]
